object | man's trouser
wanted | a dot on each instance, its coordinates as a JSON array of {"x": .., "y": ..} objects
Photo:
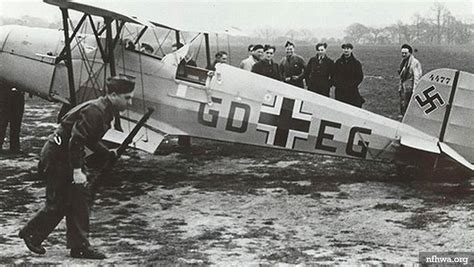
[
  {"x": 349, "y": 95},
  {"x": 62, "y": 199},
  {"x": 405, "y": 100},
  {"x": 17, "y": 109},
  {"x": 298, "y": 83},
  {"x": 4, "y": 116},
  {"x": 320, "y": 90},
  {"x": 11, "y": 112}
]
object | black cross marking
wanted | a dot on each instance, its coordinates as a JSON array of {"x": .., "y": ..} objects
[
  {"x": 429, "y": 99},
  {"x": 284, "y": 122}
]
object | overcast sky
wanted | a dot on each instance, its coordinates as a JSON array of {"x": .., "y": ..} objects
[{"x": 248, "y": 15}]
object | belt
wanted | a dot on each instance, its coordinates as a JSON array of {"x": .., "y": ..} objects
[{"x": 58, "y": 140}]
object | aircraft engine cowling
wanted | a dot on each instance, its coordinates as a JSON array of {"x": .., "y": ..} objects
[{"x": 27, "y": 57}]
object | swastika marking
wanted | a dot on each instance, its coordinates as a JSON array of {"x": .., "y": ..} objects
[{"x": 429, "y": 99}]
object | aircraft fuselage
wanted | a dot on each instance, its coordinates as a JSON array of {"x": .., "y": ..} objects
[{"x": 231, "y": 105}]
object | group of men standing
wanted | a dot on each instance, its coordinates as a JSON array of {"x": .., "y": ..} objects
[{"x": 321, "y": 72}]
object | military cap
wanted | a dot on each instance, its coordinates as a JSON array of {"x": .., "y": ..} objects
[
  {"x": 120, "y": 84},
  {"x": 347, "y": 45}
]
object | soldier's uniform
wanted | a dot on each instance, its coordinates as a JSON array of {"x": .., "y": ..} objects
[
  {"x": 293, "y": 66},
  {"x": 84, "y": 125}
]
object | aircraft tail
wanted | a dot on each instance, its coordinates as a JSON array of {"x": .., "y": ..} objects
[{"x": 442, "y": 106}]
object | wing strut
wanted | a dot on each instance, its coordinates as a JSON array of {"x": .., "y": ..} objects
[
  {"x": 110, "y": 46},
  {"x": 128, "y": 140},
  {"x": 63, "y": 52},
  {"x": 68, "y": 58},
  {"x": 208, "y": 51}
]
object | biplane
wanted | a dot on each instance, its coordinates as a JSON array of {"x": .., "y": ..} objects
[{"x": 228, "y": 104}]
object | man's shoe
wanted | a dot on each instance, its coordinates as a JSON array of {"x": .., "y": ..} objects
[
  {"x": 87, "y": 253},
  {"x": 31, "y": 244}
]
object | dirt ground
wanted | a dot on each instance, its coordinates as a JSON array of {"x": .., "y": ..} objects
[{"x": 225, "y": 204}]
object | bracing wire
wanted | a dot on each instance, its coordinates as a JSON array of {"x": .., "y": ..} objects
[
  {"x": 198, "y": 50},
  {"x": 160, "y": 45},
  {"x": 87, "y": 65}
]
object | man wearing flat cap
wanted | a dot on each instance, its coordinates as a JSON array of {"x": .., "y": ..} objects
[
  {"x": 62, "y": 163},
  {"x": 347, "y": 76},
  {"x": 410, "y": 73},
  {"x": 255, "y": 55},
  {"x": 267, "y": 67}
]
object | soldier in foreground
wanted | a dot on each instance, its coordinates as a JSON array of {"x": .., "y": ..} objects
[{"x": 61, "y": 164}]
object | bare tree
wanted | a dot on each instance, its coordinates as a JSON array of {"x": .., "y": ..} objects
[
  {"x": 418, "y": 21},
  {"x": 268, "y": 34},
  {"x": 374, "y": 34},
  {"x": 306, "y": 35},
  {"x": 356, "y": 32},
  {"x": 292, "y": 34},
  {"x": 439, "y": 15},
  {"x": 404, "y": 33}
]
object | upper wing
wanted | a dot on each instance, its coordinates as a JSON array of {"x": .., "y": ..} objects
[{"x": 94, "y": 9}]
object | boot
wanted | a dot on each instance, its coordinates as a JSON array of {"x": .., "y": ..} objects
[
  {"x": 32, "y": 245},
  {"x": 87, "y": 253}
]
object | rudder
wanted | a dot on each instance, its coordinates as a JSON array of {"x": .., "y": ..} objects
[{"x": 442, "y": 106}]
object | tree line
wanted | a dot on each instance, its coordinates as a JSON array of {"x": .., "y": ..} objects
[{"x": 440, "y": 27}]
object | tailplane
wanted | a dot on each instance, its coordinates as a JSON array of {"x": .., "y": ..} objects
[{"x": 442, "y": 106}]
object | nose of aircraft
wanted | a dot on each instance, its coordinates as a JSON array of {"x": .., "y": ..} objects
[{"x": 27, "y": 57}]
